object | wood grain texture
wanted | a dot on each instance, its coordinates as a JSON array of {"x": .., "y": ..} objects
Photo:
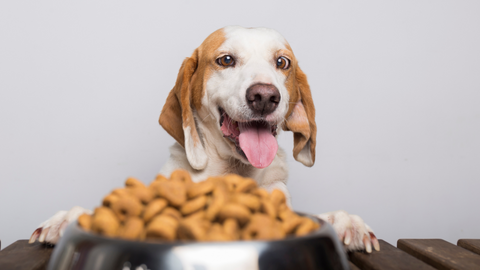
[
  {"x": 388, "y": 257},
  {"x": 440, "y": 253},
  {"x": 471, "y": 244},
  {"x": 23, "y": 256}
]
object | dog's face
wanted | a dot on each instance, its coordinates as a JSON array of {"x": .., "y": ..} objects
[{"x": 242, "y": 84}]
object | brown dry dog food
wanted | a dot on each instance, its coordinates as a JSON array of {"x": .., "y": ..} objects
[{"x": 222, "y": 208}]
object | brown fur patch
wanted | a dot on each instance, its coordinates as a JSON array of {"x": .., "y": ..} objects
[
  {"x": 206, "y": 54},
  {"x": 189, "y": 89},
  {"x": 303, "y": 124}
]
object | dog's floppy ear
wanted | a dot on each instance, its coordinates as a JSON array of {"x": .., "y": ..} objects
[
  {"x": 301, "y": 122},
  {"x": 177, "y": 117}
]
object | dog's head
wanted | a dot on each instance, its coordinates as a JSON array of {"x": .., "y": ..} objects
[{"x": 241, "y": 85}]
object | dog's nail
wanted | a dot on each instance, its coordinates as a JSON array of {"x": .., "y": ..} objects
[
  {"x": 35, "y": 235},
  {"x": 43, "y": 235},
  {"x": 348, "y": 237},
  {"x": 376, "y": 244},
  {"x": 368, "y": 245}
]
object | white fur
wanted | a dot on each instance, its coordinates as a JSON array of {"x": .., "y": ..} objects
[
  {"x": 196, "y": 155},
  {"x": 52, "y": 229},
  {"x": 305, "y": 156},
  {"x": 254, "y": 51},
  {"x": 355, "y": 234}
]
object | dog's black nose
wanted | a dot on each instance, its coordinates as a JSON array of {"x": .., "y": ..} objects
[{"x": 263, "y": 98}]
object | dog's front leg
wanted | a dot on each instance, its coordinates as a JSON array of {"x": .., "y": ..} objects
[
  {"x": 52, "y": 229},
  {"x": 352, "y": 231}
]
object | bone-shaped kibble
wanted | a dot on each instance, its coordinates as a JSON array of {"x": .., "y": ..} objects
[{"x": 221, "y": 208}]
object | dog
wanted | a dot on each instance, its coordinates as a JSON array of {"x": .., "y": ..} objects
[{"x": 232, "y": 96}]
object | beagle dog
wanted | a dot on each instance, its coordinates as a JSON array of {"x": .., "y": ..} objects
[{"x": 232, "y": 96}]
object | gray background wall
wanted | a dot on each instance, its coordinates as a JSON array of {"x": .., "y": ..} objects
[{"x": 396, "y": 87}]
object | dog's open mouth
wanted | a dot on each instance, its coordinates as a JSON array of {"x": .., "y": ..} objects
[{"x": 254, "y": 140}]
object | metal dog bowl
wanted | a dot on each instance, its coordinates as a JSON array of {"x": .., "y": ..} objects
[{"x": 79, "y": 249}]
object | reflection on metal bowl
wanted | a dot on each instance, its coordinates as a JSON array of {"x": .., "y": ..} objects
[{"x": 79, "y": 249}]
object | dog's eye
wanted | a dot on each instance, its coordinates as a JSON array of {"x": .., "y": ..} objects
[
  {"x": 283, "y": 62},
  {"x": 226, "y": 61}
]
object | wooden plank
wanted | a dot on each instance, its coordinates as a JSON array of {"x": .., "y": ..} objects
[
  {"x": 440, "y": 253},
  {"x": 353, "y": 266},
  {"x": 24, "y": 256},
  {"x": 388, "y": 257},
  {"x": 471, "y": 244}
]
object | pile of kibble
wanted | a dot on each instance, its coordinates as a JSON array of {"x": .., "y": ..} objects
[{"x": 224, "y": 208}]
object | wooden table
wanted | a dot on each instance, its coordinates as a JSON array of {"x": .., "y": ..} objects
[{"x": 409, "y": 254}]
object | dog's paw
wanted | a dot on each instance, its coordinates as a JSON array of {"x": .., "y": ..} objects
[
  {"x": 352, "y": 231},
  {"x": 52, "y": 229}
]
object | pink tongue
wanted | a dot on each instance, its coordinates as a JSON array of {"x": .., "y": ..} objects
[{"x": 258, "y": 144}]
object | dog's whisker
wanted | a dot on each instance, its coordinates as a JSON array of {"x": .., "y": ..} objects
[{"x": 208, "y": 115}]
